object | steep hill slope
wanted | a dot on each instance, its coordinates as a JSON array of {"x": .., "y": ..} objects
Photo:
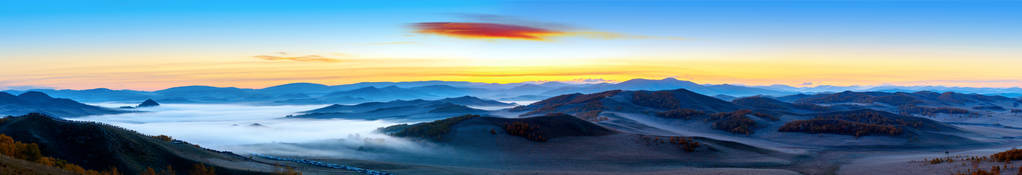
[{"x": 99, "y": 146}]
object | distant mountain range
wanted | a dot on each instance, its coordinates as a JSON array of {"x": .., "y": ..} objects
[
  {"x": 667, "y": 84},
  {"x": 310, "y": 93},
  {"x": 1013, "y": 92},
  {"x": 38, "y": 102},
  {"x": 903, "y": 98}
]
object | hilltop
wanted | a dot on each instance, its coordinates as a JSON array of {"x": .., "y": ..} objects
[
  {"x": 404, "y": 110},
  {"x": 38, "y": 102}
]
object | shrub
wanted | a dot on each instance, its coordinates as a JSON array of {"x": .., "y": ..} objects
[
  {"x": 523, "y": 129},
  {"x": 429, "y": 130},
  {"x": 833, "y": 126},
  {"x": 928, "y": 111},
  {"x": 31, "y": 152},
  {"x": 287, "y": 171},
  {"x": 734, "y": 122},
  {"x": 19, "y": 150},
  {"x": 990, "y": 107},
  {"x": 686, "y": 114},
  {"x": 766, "y": 116},
  {"x": 656, "y": 99},
  {"x": 201, "y": 169},
  {"x": 1013, "y": 154},
  {"x": 686, "y": 144},
  {"x": 875, "y": 117},
  {"x": 164, "y": 138}
]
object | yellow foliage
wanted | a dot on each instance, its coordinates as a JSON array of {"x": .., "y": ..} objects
[
  {"x": 201, "y": 169},
  {"x": 31, "y": 152},
  {"x": 149, "y": 171}
]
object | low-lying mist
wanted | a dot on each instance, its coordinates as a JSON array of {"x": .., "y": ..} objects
[{"x": 257, "y": 129}]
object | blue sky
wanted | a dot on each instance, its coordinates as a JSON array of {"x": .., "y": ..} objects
[{"x": 715, "y": 36}]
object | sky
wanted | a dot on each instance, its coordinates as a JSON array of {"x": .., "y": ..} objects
[{"x": 151, "y": 45}]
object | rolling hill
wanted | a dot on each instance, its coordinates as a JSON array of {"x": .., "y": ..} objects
[
  {"x": 311, "y": 93},
  {"x": 38, "y": 102},
  {"x": 566, "y": 143},
  {"x": 404, "y": 110},
  {"x": 667, "y": 84},
  {"x": 589, "y": 106},
  {"x": 752, "y": 119},
  {"x": 539, "y": 128},
  {"x": 903, "y": 98}
]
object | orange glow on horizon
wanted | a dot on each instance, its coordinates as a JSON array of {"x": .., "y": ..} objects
[{"x": 256, "y": 73}]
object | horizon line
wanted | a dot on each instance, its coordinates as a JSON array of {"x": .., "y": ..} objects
[{"x": 579, "y": 82}]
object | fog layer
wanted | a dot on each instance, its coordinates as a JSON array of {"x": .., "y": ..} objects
[{"x": 223, "y": 126}]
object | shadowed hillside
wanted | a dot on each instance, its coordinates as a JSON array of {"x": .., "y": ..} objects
[
  {"x": 401, "y": 109},
  {"x": 589, "y": 106},
  {"x": 99, "y": 146},
  {"x": 38, "y": 102},
  {"x": 538, "y": 129},
  {"x": 770, "y": 104},
  {"x": 863, "y": 123},
  {"x": 666, "y": 84},
  {"x": 902, "y": 98}
]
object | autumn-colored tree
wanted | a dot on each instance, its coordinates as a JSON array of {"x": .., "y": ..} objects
[
  {"x": 681, "y": 113},
  {"x": 686, "y": 144},
  {"x": 735, "y": 122},
  {"x": 428, "y": 130},
  {"x": 168, "y": 171},
  {"x": 74, "y": 169},
  {"x": 1009, "y": 155},
  {"x": 31, "y": 152},
  {"x": 19, "y": 150},
  {"x": 285, "y": 170},
  {"x": 933, "y": 111},
  {"x": 148, "y": 171},
  {"x": 523, "y": 129},
  {"x": 833, "y": 126},
  {"x": 164, "y": 138},
  {"x": 766, "y": 116},
  {"x": 656, "y": 99},
  {"x": 201, "y": 169}
]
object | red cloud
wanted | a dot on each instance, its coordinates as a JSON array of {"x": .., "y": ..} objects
[
  {"x": 484, "y": 30},
  {"x": 307, "y": 58}
]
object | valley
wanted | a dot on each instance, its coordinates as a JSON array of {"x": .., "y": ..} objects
[{"x": 611, "y": 132}]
